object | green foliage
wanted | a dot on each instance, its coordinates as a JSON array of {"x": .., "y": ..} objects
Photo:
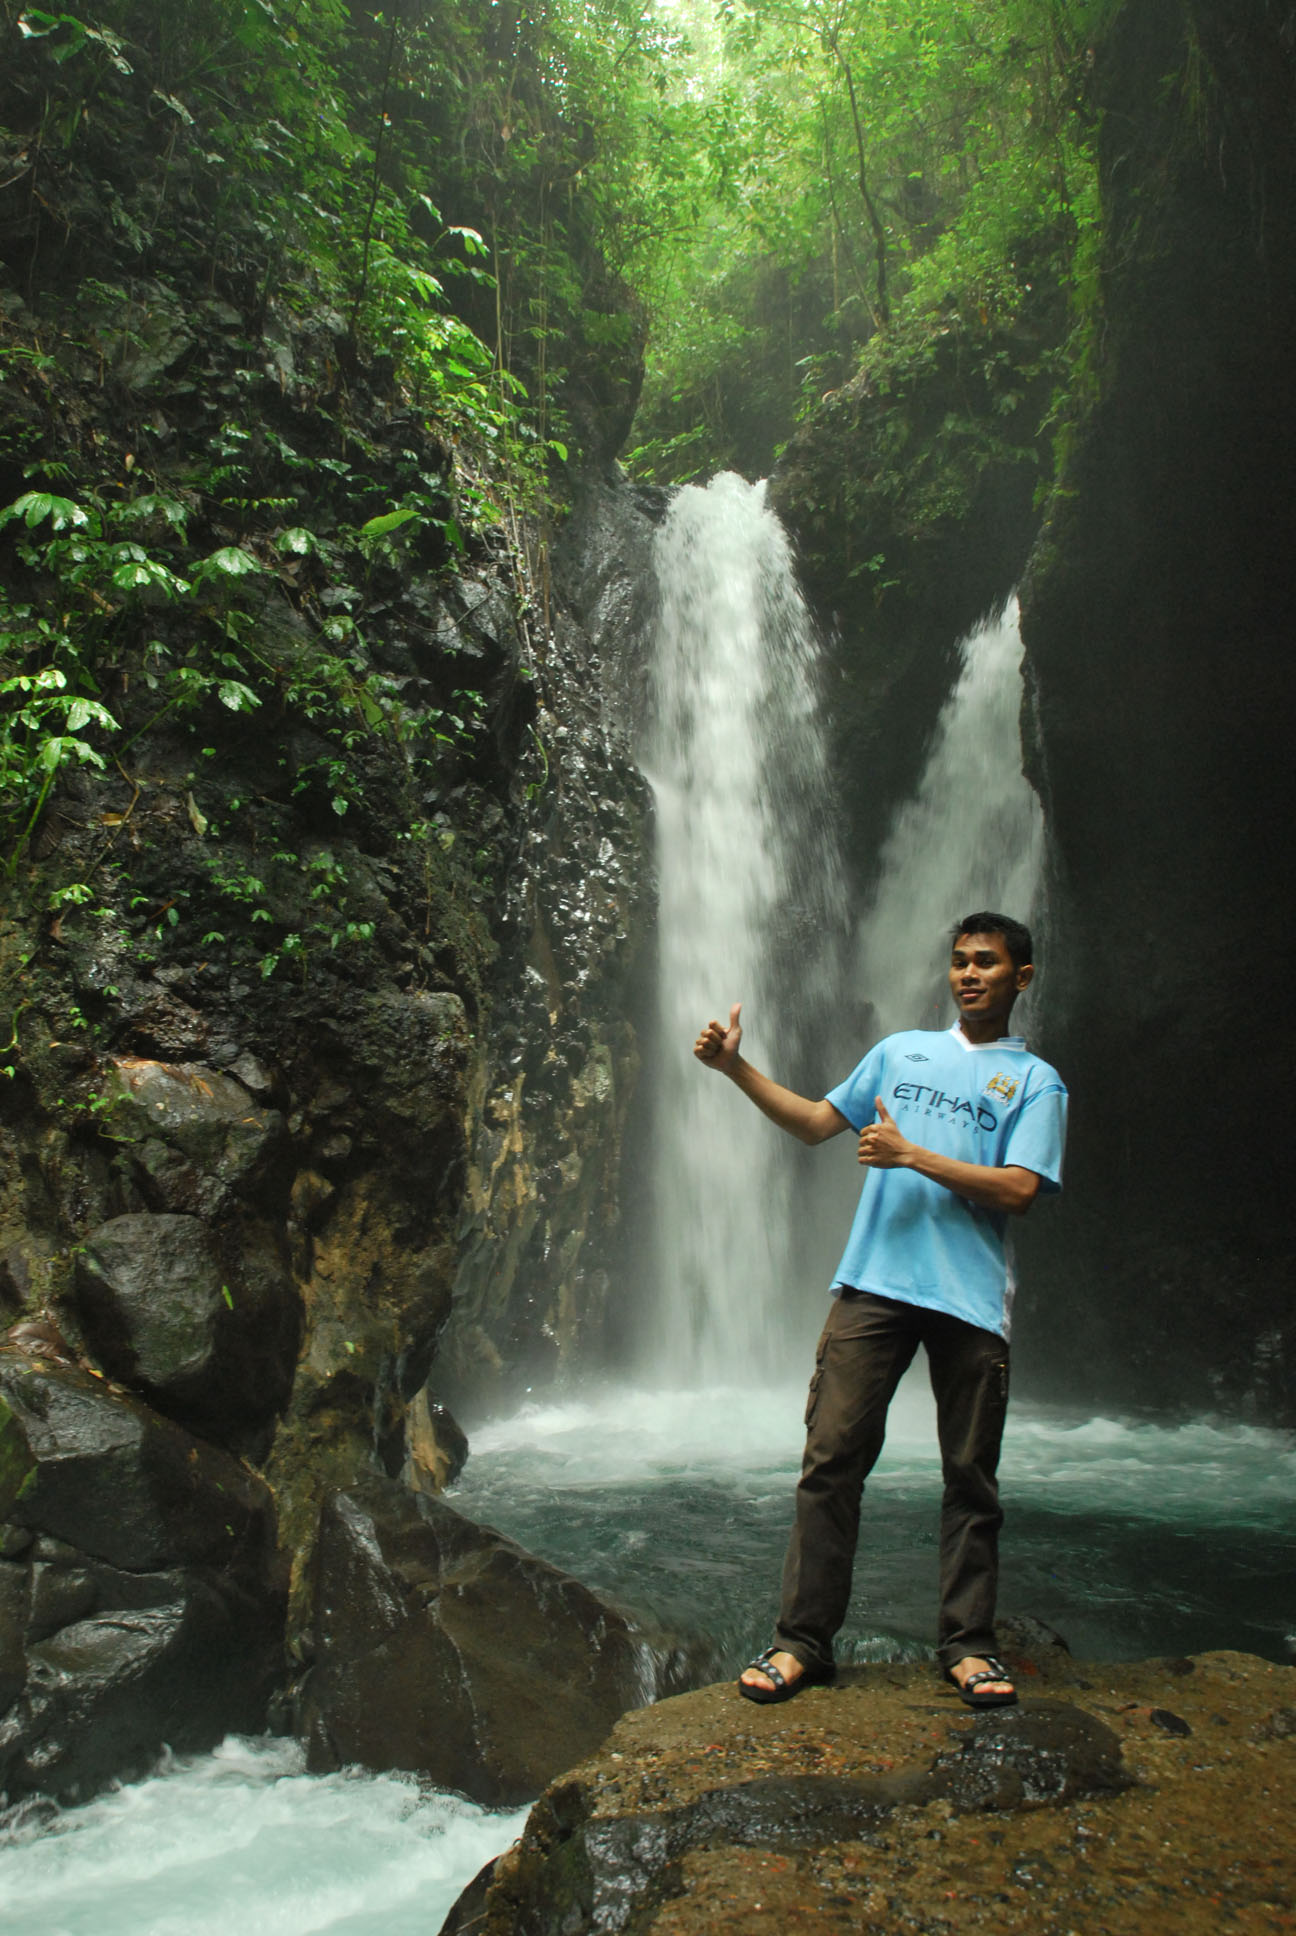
[
  {"x": 303, "y": 147},
  {"x": 856, "y": 170},
  {"x": 103, "y": 586},
  {"x": 180, "y": 622},
  {"x": 455, "y": 216},
  {"x": 315, "y": 885}
]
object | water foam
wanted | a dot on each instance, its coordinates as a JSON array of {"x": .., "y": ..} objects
[
  {"x": 243, "y": 1838},
  {"x": 1210, "y": 1471}
]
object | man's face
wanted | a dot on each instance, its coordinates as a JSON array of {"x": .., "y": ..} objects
[{"x": 983, "y": 980}]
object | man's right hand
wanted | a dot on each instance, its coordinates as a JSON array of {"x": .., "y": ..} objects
[{"x": 717, "y": 1045}]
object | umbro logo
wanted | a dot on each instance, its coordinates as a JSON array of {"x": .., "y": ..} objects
[{"x": 917, "y": 1058}]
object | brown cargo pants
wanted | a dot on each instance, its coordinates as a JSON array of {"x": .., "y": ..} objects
[{"x": 866, "y": 1346}]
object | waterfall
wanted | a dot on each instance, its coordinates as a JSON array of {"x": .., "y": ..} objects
[
  {"x": 751, "y": 909},
  {"x": 971, "y": 837}
]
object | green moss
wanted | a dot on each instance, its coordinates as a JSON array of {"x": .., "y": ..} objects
[{"x": 16, "y": 1462}]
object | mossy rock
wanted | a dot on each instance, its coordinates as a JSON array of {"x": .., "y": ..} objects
[{"x": 16, "y": 1461}]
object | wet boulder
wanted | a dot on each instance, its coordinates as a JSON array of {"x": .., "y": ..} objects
[
  {"x": 141, "y": 1599},
  {"x": 443, "y": 1648},
  {"x": 206, "y": 1330},
  {"x": 196, "y": 1136},
  {"x": 104, "y": 1473},
  {"x": 410, "y": 1053},
  {"x": 436, "y": 1445}
]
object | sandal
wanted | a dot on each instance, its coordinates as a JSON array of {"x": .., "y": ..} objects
[
  {"x": 783, "y": 1689},
  {"x": 970, "y": 1691}
]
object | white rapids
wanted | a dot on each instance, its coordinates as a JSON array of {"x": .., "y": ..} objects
[{"x": 243, "y": 1839}]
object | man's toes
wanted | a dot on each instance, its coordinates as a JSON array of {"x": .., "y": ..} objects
[
  {"x": 963, "y": 1671},
  {"x": 756, "y": 1676}
]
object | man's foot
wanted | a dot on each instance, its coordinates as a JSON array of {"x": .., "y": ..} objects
[
  {"x": 982, "y": 1681},
  {"x": 776, "y": 1676}
]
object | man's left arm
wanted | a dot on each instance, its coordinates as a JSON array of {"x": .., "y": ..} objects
[{"x": 1008, "y": 1187}]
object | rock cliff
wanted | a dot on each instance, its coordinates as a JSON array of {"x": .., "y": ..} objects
[
  {"x": 1158, "y": 622},
  {"x": 316, "y": 1062}
]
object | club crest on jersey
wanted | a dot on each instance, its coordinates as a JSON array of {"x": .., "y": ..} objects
[{"x": 1002, "y": 1085}]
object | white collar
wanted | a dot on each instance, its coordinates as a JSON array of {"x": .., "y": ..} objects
[{"x": 1000, "y": 1041}]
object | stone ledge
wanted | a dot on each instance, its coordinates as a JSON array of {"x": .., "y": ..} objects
[{"x": 1130, "y": 1797}]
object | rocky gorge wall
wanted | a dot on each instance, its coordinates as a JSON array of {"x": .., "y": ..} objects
[
  {"x": 317, "y": 1060},
  {"x": 911, "y": 501},
  {"x": 1158, "y": 623},
  {"x": 268, "y": 1206}
]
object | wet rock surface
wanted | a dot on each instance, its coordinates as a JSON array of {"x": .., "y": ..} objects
[
  {"x": 1141, "y": 1796},
  {"x": 552, "y": 1101},
  {"x": 209, "y": 1338},
  {"x": 141, "y": 1599},
  {"x": 911, "y": 505},
  {"x": 442, "y": 1647},
  {"x": 198, "y": 1134}
]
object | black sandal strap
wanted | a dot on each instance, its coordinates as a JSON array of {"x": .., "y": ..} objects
[{"x": 994, "y": 1670}]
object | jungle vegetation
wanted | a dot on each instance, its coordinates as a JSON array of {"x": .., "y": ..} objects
[{"x": 494, "y": 213}]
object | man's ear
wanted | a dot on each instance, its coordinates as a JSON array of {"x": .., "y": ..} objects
[{"x": 1024, "y": 975}]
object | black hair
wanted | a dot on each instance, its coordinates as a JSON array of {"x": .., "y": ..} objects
[{"x": 1017, "y": 938}]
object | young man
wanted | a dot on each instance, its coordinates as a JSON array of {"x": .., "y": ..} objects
[{"x": 958, "y": 1130}]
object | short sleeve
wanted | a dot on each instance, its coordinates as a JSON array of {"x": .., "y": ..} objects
[
  {"x": 1037, "y": 1137},
  {"x": 856, "y": 1098}
]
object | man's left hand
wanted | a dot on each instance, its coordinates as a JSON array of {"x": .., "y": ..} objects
[{"x": 881, "y": 1146}]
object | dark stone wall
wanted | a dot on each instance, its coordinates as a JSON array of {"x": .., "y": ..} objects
[
  {"x": 1159, "y": 620},
  {"x": 910, "y": 498}
]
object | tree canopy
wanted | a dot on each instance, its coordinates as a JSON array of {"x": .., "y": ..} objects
[
  {"x": 775, "y": 184},
  {"x": 498, "y": 213},
  {"x": 854, "y": 172}
]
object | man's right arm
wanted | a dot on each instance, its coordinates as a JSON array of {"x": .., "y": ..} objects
[{"x": 809, "y": 1122}]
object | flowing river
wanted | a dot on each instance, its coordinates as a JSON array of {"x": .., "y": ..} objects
[{"x": 1130, "y": 1537}]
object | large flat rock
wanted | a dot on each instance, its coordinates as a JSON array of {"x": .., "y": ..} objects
[{"x": 1150, "y": 1796}]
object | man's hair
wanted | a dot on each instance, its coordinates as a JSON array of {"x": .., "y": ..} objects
[{"x": 1017, "y": 938}]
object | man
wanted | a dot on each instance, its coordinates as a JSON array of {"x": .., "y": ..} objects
[{"x": 959, "y": 1129}]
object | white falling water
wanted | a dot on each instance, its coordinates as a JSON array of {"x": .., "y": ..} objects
[
  {"x": 972, "y": 837},
  {"x": 243, "y": 1839},
  {"x": 750, "y": 908}
]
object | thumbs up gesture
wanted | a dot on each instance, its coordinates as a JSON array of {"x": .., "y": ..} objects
[
  {"x": 719, "y": 1045},
  {"x": 881, "y": 1146}
]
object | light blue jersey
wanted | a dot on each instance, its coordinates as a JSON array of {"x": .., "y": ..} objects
[{"x": 994, "y": 1104}]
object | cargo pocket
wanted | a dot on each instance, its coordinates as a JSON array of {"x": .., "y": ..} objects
[{"x": 816, "y": 1381}]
